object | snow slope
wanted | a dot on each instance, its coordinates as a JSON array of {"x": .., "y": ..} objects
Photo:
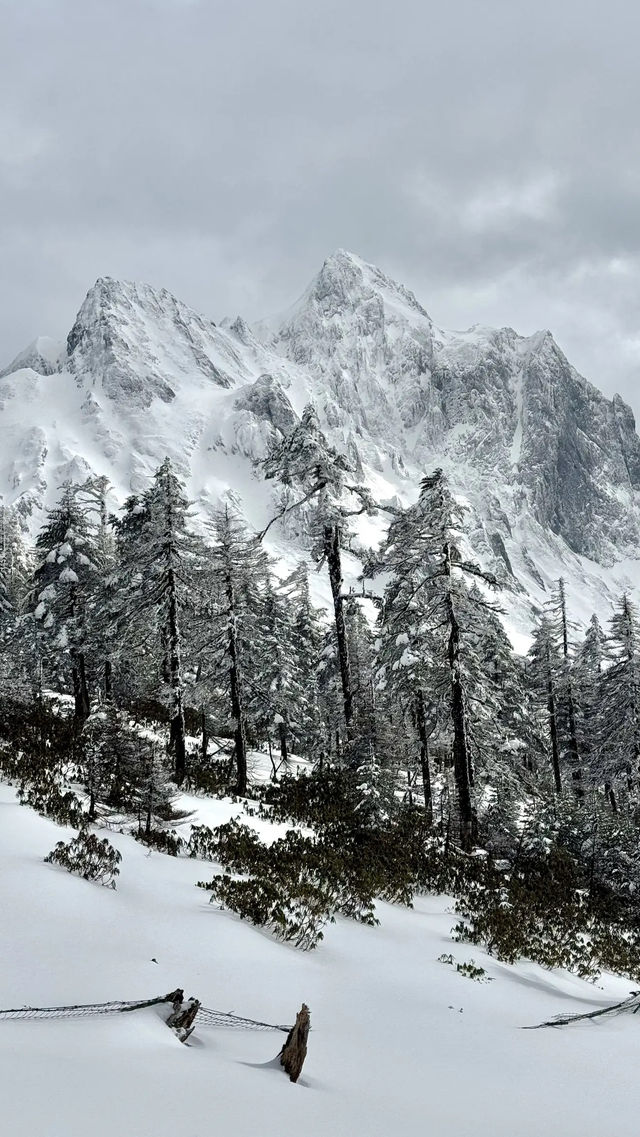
[
  {"x": 401, "y": 1045},
  {"x": 549, "y": 467}
]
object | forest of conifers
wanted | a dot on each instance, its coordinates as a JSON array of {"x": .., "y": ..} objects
[{"x": 182, "y": 649}]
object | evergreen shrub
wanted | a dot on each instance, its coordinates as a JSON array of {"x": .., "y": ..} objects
[
  {"x": 88, "y": 856},
  {"x": 50, "y": 800}
]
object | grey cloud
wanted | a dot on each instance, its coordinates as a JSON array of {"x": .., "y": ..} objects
[{"x": 485, "y": 154}]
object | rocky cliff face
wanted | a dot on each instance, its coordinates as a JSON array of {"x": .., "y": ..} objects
[
  {"x": 494, "y": 407},
  {"x": 549, "y": 466}
]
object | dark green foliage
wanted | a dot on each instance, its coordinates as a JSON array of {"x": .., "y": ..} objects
[
  {"x": 316, "y": 799},
  {"x": 164, "y": 840},
  {"x": 212, "y": 776},
  {"x": 235, "y": 845},
  {"x": 541, "y": 909},
  {"x": 51, "y": 800},
  {"x": 89, "y": 857},
  {"x": 469, "y": 969},
  {"x": 299, "y": 883},
  {"x": 291, "y": 889},
  {"x": 35, "y": 740},
  {"x": 296, "y": 915},
  {"x": 203, "y": 843}
]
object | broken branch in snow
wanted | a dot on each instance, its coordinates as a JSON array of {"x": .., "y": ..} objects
[{"x": 632, "y": 1003}]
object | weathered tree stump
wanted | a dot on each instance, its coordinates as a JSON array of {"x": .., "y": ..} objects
[
  {"x": 176, "y": 997},
  {"x": 294, "y": 1051},
  {"x": 182, "y": 1017}
]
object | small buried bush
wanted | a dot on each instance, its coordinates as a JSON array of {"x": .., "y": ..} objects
[
  {"x": 88, "y": 856},
  {"x": 470, "y": 969},
  {"x": 296, "y": 914}
]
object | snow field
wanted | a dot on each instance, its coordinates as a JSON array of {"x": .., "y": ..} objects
[{"x": 401, "y": 1044}]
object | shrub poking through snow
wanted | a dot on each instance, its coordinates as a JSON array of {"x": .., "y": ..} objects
[
  {"x": 164, "y": 840},
  {"x": 542, "y": 910},
  {"x": 88, "y": 856},
  {"x": 299, "y": 883},
  {"x": 297, "y": 916},
  {"x": 203, "y": 843},
  {"x": 62, "y": 806},
  {"x": 470, "y": 969}
]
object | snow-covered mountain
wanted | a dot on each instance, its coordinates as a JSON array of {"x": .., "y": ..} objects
[{"x": 548, "y": 465}]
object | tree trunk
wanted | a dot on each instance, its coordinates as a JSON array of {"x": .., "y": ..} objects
[
  {"x": 205, "y": 736},
  {"x": 181, "y": 1019},
  {"x": 108, "y": 680},
  {"x": 284, "y": 746},
  {"x": 461, "y": 756},
  {"x": 553, "y": 728},
  {"x": 334, "y": 563},
  {"x": 235, "y": 689},
  {"x": 81, "y": 703},
  {"x": 177, "y": 728},
  {"x": 423, "y": 735},
  {"x": 574, "y": 753}
]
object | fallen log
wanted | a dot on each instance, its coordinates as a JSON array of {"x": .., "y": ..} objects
[{"x": 294, "y": 1051}]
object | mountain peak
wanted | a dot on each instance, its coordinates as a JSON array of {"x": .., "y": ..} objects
[
  {"x": 135, "y": 340},
  {"x": 43, "y": 355},
  {"x": 347, "y": 280},
  {"x": 542, "y": 457}
]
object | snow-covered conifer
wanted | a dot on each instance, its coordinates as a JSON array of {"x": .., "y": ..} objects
[
  {"x": 63, "y": 578},
  {"x": 544, "y": 670},
  {"x": 325, "y": 484},
  {"x": 427, "y": 610},
  {"x": 620, "y": 699},
  {"x": 158, "y": 571}
]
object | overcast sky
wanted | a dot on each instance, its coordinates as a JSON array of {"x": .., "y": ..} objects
[{"x": 484, "y": 152}]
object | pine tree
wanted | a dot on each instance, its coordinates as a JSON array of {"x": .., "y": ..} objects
[
  {"x": 307, "y": 465},
  {"x": 15, "y": 568},
  {"x": 236, "y": 573},
  {"x": 284, "y": 657},
  {"x": 589, "y": 667},
  {"x": 428, "y": 610},
  {"x": 565, "y": 699},
  {"x": 306, "y": 631},
  {"x": 15, "y": 572},
  {"x": 153, "y": 792},
  {"x": 109, "y": 759},
  {"x": 65, "y": 551},
  {"x": 620, "y": 695},
  {"x": 102, "y": 599},
  {"x": 159, "y": 558},
  {"x": 545, "y": 664}
]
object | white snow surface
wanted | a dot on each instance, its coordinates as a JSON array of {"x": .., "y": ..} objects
[{"x": 401, "y": 1044}]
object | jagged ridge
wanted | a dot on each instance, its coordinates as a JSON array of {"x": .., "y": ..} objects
[{"x": 550, "y": 467}]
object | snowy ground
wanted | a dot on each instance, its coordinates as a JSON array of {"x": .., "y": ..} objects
[{"x": 401, "y": 1044}]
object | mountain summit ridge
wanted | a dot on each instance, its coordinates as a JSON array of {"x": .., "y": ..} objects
[{"x": 549, "y": 466}]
